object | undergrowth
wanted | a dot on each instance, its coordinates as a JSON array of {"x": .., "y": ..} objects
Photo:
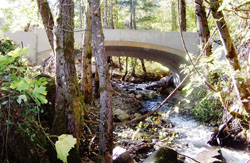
[{"x": 22, "y": 94}]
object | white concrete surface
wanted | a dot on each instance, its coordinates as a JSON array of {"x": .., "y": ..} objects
[{"x": 163, "y": 47}]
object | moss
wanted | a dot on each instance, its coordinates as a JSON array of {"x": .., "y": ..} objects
[{"x": 165, "y": 155}]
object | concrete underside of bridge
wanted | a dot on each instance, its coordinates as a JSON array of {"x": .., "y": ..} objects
[{"x": 168, "y": 57}]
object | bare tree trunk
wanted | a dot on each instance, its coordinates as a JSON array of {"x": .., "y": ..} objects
[
  {"x": 143, "y": 67},
  {"x": 105, "y": 16},
  {"x": 173, "y": 13},
  {"x": 183, "y": 24},
  {"x": 69, "y": 101},
  {"x": 240, "y": 86},
  {"x": 134, "y": 62},
  {"x": 48, "y": 21},
  {"x": 120, "y": 64},
  {"x": 133, "y": 26},
  {"x": 81, "y": 13},
  {"x": 87, "y": 87},
  {"x": 106, "y": 121},
  {"x": 133, "y": 15},
  {"x": 111, "y": 15},
  {"x": 204, "y": 32},
  {"x": 126, "y": 70}
]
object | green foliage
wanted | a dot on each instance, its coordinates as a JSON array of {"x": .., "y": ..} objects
[
  {"x": 63, "y": 145},
  {"x": 151, "y": 66},
  {"x": 18, "y": 79},
  {"x": 30, "y": 88},
  {"x": 208, "y": 110},
  {"x": 205, "y": 103},
  {"x": 17, "y": 14},
  {"x": 21, "y": 95},
  {"x": 6, "y": 46}
]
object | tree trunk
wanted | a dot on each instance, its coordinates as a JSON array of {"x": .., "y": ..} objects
[
  {"x": 105, "y": 16},
  {"x": 183, "y": 16},
  {"x": 111, "y": 15},
  {"x": 173, "y": 13},
  {"x": 96, "y": 82},
  {"x": 81, "y": 10},
  {"x": 126, "y": 70},
  {"x": 143, "y": 67},
  {"x": 87, "y": 87},
  {"x": 120, "y": 64},
  {"x": 203, "y": 29},
  {"x": 69, "y": 102},
  {"x": 133, "y": 15},
  {"x": 134, "y": 62},
  {"x": 240, "y": 86},
  {"x": 226, "y": 39},
  {"x": 106, "y": 121},
  {"x": 47, "y": 19}
]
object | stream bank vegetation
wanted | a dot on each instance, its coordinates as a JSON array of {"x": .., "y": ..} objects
[{"x": 39, "y": 114}]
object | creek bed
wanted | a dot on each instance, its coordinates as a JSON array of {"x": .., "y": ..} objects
[{"x": 192, "y": 137}]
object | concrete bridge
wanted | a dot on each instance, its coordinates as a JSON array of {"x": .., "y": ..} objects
[{"x": 163, "y": 47}]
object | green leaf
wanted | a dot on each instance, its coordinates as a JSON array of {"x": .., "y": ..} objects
[
  {"x": 42, "y": 81},
  {"x": 18, "y": 52},
  {"x": 39, "y": 95},
  {"x": 20, "y": 85},
  {"x": 22, "y": 98},
  {"x": 40, "y": 90},
  {"x": 63, "y": 146}
]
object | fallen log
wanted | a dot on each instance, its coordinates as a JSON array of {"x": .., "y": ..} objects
[{"x": 163, "y": 82}]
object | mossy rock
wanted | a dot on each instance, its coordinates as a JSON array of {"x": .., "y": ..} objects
[{"x": 166, "y": 155}]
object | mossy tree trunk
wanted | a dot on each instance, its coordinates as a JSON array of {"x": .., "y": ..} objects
[
  {"x": 106, "y": 121},
  {"x": 203, "y": 30},
  {"x": 226, "y": 39},
  {"x": 69, "y": 102},
  {"x": 47, "y": 19},
  {"x": 87, "y": 87},
  {"x": 241, "y": 88}
]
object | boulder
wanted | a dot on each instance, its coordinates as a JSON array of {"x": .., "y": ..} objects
[
  {"x": 139, "y": 96},
  {"x": 121, "y": 115},
  {"x": 132, "y": 95}
]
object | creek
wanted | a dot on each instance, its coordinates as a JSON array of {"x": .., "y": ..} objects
[{"x": 192, "y": 137}]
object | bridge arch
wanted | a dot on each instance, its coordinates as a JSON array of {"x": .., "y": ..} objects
[
  {"x": 171, "y": 58},
  {"x": 163, "y": 47}
]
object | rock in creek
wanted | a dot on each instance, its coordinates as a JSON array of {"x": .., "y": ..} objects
[{"x": 121, "y": 115}]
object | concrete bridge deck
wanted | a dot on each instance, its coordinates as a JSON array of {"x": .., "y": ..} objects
[{"x": 163, "y": 47}]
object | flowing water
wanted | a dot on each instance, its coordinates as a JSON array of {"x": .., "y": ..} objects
[{"x": 192, "y": 136}]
